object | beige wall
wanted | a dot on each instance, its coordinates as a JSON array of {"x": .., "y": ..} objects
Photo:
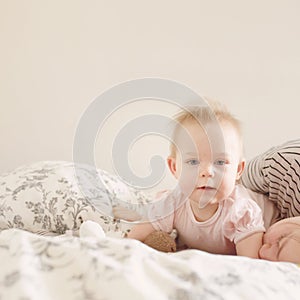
[{"x": 57, "y": 56}]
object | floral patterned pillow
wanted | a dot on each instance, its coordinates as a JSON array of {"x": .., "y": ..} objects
[{"x": 54, "y": 196}]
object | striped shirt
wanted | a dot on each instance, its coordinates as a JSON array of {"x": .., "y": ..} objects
[{"x": 277, "y": 174}]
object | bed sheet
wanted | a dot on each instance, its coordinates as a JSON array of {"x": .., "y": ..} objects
[{"x": 64, "y": 267}]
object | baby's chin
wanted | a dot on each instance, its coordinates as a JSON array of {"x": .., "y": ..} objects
[{"x": 204, "y": 200}]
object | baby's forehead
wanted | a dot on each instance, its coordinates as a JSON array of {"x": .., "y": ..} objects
[
  {"x": 207, "y": 126},
  {"x": 197, "y": 128},
  {"x": 211, "y": 132},
  {"x": 216, "y": 138}
]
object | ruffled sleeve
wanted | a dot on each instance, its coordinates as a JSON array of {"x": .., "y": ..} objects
[{"x": 244, "y": 217}]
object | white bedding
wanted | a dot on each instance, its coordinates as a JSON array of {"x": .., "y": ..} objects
[
  {"x": 45, "y": 197},
  {"x": 62, "y": 267}
]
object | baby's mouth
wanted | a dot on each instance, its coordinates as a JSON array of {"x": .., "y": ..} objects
[{"x": 205, "y": 188}]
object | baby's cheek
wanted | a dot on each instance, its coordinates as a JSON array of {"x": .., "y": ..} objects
[
  {"x": 188, "y": 179},
  {"x": 187, "y": 187},
  {"x": 290, "y": 252}
]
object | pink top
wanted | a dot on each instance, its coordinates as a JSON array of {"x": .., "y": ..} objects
[{"x": 236, "y": 218}]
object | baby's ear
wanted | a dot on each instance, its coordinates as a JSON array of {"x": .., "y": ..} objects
[
  {"x": 240, "y": 169},
  {"x": 172, "y": 164}
]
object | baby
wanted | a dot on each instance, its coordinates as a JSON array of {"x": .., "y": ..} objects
[
  {"x": 282, "y": 241},
  {"x": 276, "y": 173},
  {"x": 208, "y": 208}
]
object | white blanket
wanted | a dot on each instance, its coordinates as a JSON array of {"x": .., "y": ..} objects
[{"x": 62, "y": 267}]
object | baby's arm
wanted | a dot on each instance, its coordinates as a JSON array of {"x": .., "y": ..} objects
[
  {"x": 126, "y": 214},
  {"x": 140, "y": 231},
  {"x": 250, "y": 245}
]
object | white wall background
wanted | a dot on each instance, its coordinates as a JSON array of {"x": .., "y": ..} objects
[{"x": 57, "y": 56}]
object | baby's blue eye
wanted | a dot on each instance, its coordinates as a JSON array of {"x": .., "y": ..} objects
[
  {"x": 220, "y": 162},
  {"x": 192, "y": 162}
]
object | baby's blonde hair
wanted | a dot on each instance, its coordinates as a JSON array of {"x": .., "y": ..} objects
[{"x": 203, "y": 114}]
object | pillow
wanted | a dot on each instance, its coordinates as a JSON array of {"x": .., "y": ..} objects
[{"x": 54, "y": 196}]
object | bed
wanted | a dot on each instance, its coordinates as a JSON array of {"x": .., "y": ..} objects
[{"x": 41, "y": 203}]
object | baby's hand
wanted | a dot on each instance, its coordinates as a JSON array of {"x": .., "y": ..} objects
[{"x": 124, "y": 213}]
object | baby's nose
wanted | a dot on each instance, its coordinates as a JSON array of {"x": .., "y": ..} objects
[{"x": 206, "y": 171}]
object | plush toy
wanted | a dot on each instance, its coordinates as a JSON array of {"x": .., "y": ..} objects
[
  {"x": 158, "y": 240},
  {"x": 161, "y": 241}
]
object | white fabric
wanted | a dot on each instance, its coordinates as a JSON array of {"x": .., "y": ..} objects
[
  {"x": 91, "y": 229},
  {"x": 62, "y": 268},
  {"x": 57, "y": 196}
]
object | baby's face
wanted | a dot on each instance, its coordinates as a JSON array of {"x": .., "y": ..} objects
[
  {"x": 211, "y": 167},
  {"x": 282, "y": 242}
]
